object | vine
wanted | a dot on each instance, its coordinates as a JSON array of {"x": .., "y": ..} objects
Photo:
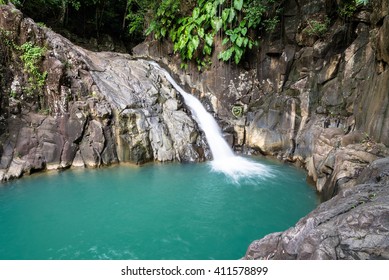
[
  {"x": 195, "y": 35},
  {"x": 165, "y": 19}
]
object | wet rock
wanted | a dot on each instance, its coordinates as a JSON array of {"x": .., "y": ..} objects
[
  {"x": 95, "y": 108},
  {"x": 92, "y": 144},
  {"x": 352, "y": 225},
  {"x": 16, "y": 169}
]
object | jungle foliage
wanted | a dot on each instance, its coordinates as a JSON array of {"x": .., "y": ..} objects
[{"x": 194, "y": 27}]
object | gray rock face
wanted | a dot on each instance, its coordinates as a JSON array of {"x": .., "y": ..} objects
[
  {"x": 95, "y": 108},
  {"x": 150, "y": 114},
  {"x": 352, "y": 225},
  {"x": 305, "y": 98},
  {"x": 321, "y": 103}
]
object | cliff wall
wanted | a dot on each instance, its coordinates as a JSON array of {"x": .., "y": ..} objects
[
  {"x": 93, "y": 109},
  {"x": 320, "y": 101}
]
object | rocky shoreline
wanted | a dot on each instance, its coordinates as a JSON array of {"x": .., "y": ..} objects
[{"x": 352, "y": 225}]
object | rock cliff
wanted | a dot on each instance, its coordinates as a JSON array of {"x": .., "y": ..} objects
[
  {"x": 318, "y": 101},
  {"x": 94, "y": 109},
  {"x": 352, "y": 225}
]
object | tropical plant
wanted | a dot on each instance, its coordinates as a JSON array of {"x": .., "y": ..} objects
[
  {"x": 347, "y": 8},
  {"x": 317, "y": 27},
  {"x": 364, "y": 2},
  {"x": 194, "y": 35},
  {"x": 31, "y": 57}
]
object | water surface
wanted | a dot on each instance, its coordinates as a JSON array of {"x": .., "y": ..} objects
[{"x": 157, "y": 211}]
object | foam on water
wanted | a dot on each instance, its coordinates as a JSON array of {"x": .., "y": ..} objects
[
  {"x": 224, "y": 160},
  {"x": 238, "y": 168}
]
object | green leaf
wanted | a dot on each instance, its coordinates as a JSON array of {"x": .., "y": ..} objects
[
  {"x": 216, "y": 23},
  {"x": 364, "y": 2},
  {"x": 180, "y": 29},
  {"x": 183, "y": 40},
  {"x": 196, "y": 13},
  {"x": 225, "y": 40},
  {"x": 200, "y": 32},
  {"x": 232, "y": 15},
  {"x": 207, "y": 50},
  {"x": 209, "y": 8},
  {"x": 238, "y": 4},
  {"x": 163, "y": 31},
  {"x": 226, "y": 55},
  {"x": 191, "y": 50},
  {"x": 173, "y": 35},
  {"x": 239, "y": 41},
  {"x": 243, "y": 31},
  {"x": 176, "y": 47},
  {"x": 246, "y": 41},
  {"x": 184, "y": 66},
  {"x": 229, "y": 32},
  {"x": 209, "y": 39},
  {"x": 238, "y": 55},
  {"x": 189, "y": 28},
  {"x": 200, "y": 20},
  {"x": 233, "y": 37},
  {"x": 195, "y": 41},
  {"x": 151, "y": 28},
  {"x": 225, "y": 15}
]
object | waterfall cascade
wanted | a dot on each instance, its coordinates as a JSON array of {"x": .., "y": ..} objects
[{"x": 224, "y": 159}]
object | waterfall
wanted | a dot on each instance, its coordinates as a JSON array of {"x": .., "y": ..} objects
[{"x": 224, "y": 159}]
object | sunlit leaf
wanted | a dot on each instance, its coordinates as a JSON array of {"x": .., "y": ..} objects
[
  {"x": 207, "y": 50},
  {"x": 238, "y": 4},
  {"x": 233, "y": 37},
  {"x": 216, "y": 23},
  {"x": 232, "y": 15},
  {"x": 239, "y": 41},
  {"x": 246, "y": 41},
  {"x": 196, "y": 13},
  {"x": 225, "y": 15},
  {"x": 200, "y": 32},
  {"x": 226, "y": 55},
  {"x": 243, "y": 31},
  {"x": 209, "y": 39},
  {"x": 195, "y": 42},
  {"x": 163, "y": 31},
  {"x": 238, "y": 55}
]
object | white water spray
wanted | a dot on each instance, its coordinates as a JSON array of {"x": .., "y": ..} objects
[{"x": 224, "y": 159}]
